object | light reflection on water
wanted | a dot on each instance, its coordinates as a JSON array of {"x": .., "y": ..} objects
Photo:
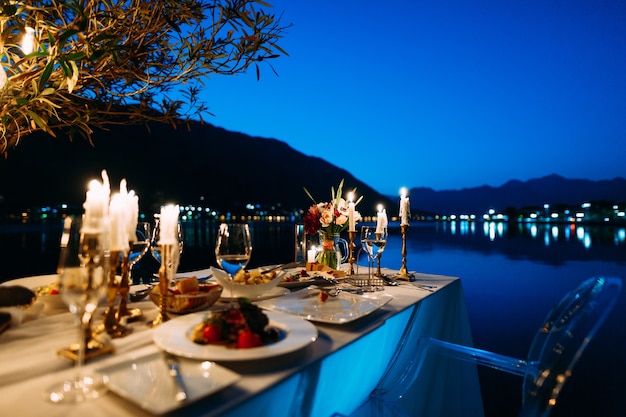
[{"x": 548, "y": 233}]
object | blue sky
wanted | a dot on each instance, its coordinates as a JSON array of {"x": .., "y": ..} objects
[{"x": 447, "y": 94}]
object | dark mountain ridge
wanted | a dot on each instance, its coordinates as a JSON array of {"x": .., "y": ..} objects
[
  {"x": 552, "y": 189},
  {"x": 204, "y": 165},
  {"x": 227, "y": 171}
]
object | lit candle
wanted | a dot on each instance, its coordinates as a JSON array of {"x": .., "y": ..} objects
[
  {"x": 381, "y": 219},
  {"x": 131, "y": 210},
  {"x": 310, "y": 255},
  {"x": 96, "y": 205},
  {"x": 351, "y": 220},
  {"x": 169, "y": 225},
  {"x": 118, "y": 236},
  {"x": 404, "y": 208}
]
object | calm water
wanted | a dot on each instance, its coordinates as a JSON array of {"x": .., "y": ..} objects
[{"x": 511, "y": 275}]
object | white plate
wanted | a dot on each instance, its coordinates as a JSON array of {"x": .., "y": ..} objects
[
  {"x": 343, "y": 308},
  {"x": 145, "y": 381},
  {"x": 273, "y": 293},
  {"x": 174, "y": 336}
]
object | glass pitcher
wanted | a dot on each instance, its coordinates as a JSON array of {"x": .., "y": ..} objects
[{"x": 334, "y": 250}]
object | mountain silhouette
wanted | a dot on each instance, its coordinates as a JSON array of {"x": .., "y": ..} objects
[
  {"x": 229, "y": 171},
  {"x": 203, "y": 165},
  {"x": 552, "y": 189}
]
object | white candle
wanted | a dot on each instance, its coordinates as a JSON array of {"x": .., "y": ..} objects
[
  {"x": 310, "y": 255},
  {"x": 131, "y": 210},
  {"x": 95, "y": 205},
  {"x": 381, "y": 219},
  {"x": 351, "y": 220},
  {"x": 169, "y": 225},
  {"x": 404, "y": 208},
  {"x": 118, "y": 236}
]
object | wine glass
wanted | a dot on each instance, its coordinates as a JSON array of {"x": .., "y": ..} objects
[
  {"x": 139, "y": 247},
  {"x": 233, "y": 249},
  {"x": 82, "y": 285},
  {"x": 373, "y": 241},
  {"x": 155, "y": 249}
]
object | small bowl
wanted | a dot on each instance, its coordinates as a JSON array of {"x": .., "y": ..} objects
[
  {"x": 245, "y": 290},
  {"x": 178, "y": 303},
  {"x": 50, "y": 297}
]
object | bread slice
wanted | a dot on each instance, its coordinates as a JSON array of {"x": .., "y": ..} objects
[{"x": 188, "y": 285}]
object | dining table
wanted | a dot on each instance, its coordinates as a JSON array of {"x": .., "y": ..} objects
[{"x": 333, "y": 373}]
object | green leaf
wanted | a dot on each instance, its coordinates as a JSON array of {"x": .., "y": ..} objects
[
  {"x": 38, "y": 120},
  {"x": 45, "y": 75}
]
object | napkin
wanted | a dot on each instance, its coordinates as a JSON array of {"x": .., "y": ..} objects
[{"x": 19, "y": 315}]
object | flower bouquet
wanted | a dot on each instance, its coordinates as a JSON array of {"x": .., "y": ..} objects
[{"x": 329, "y": 219}]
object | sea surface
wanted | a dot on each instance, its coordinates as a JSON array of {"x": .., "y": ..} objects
[{"x": 512, "y": 274}]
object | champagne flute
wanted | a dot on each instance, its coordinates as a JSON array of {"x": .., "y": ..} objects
[
  {"x": 373, "y": 241},
  {"x": 233, "y": 249},
  {"x": 82, "y": 285}
]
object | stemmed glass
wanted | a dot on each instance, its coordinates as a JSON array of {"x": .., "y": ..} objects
[
  {"x": 82, "y": 284},
  {"x": 155, "y": 249},
  {"x": 139, "y": 247},
  {"x": 373, "y": 241},
  {"x": 233, "y": 249}
]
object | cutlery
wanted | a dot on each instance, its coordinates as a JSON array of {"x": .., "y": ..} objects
[
  {"x": 174, "y": 370},
  {"x": 139, "y": 294},
  {"x": 389, "y": 281},
  {"x": 265, "y": 270}
]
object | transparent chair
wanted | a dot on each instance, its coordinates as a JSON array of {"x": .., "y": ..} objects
[{"x": 555, "y": 349}]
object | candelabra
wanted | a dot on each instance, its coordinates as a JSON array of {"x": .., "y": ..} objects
[
  {"x": 403, "y": 273},
  {"x": 351, "y": 247},
  {"x": 123, "y": 311},
  {"x": 166, "y": 272},
  {"x": 112, "y": 324}
]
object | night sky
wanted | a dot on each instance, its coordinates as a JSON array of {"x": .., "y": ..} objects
[{"x": 447, "y": 95}]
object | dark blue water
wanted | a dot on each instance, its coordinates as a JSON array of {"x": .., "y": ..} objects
[{"x": 511, "y": 275}]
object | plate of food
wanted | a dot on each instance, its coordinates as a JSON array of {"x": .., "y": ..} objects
[
  {"x": 295, "y": 278},
  {"x": 315, "y": 304},
  {"x": 234, "y": 334}
]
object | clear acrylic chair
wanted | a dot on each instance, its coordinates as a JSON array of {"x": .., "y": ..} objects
[{"x": 556, "y": 347}]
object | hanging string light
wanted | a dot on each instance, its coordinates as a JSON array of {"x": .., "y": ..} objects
[
  {"x": 3, "y": 77},
  {"x": 28, "y": 41}
]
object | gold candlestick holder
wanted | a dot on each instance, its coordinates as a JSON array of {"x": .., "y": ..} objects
[
  {"x": 165, "y": 272},
  {"x": 403, "y": 273},
  {"x": 111, "y": 324},
  {"x": 131, "y": 314},
  {"x": 351, "y": 247}
]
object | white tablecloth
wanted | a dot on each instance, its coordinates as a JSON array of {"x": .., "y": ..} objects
[{"x": 332, "y": 376}]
